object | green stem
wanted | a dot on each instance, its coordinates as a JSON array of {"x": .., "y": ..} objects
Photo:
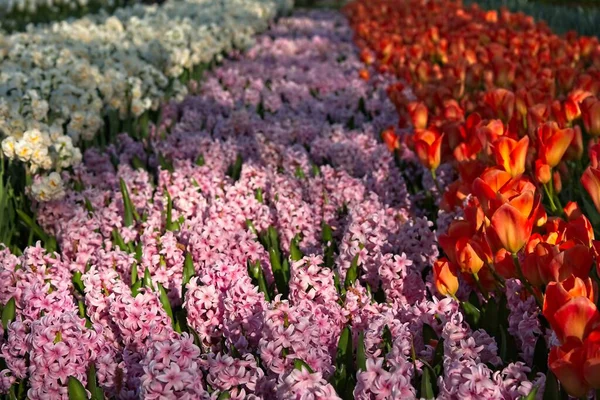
[{"x": 480, "y": 287}]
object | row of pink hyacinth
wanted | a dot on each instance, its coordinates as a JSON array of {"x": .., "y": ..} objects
[{"x": 293, "y": 101}]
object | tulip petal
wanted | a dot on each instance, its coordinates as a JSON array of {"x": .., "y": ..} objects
[
  {"x": 575, "y": 318},
  {"x": 512, "y": 228}
]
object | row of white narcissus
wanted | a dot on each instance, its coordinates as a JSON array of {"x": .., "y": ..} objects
[{"x": 59, "y": 83}]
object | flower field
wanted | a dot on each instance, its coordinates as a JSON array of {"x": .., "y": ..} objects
[{"x": 236, "y": 200}]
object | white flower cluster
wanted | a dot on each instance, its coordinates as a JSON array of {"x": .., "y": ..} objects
[
  {"x": 59, "y": 82},
  {"x": 16, "y": 14}
]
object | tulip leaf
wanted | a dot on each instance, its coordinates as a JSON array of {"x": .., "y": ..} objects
[
  {"x": 75, "y": 389},
  {"x": 9, "y": 312},
  {"x": 299, "y": 364},
  {"x": 361, "y": 355}
]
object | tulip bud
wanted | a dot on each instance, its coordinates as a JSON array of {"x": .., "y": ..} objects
[
  {"x": 543, "y": 173},
  {"x": 445, "y": 277}
]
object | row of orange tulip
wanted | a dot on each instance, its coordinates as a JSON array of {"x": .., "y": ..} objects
[{"x": 511, "y": 106}]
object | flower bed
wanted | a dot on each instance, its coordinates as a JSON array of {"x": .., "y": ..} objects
[
  {"x": 509, "y": 112},
  {"x": 61, "y": 85},
  {"x": 261, "y": 244}
]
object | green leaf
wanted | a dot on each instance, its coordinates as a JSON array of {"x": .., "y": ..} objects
[
  {"x": 490, "y": 318},
  {"x": 299, "y": 173},
  {"x": 92, "y": 384},
  {"x": 532, "y": 394},
  {"x": 343, "y": 378},
  {"x": 164, "y": 300},
  {"x": 75, "y": 389},
  {"x": 344, "y": 349},
  {"x": 258, "y": 278},
  {"x": 9, "y": 313},
  {"x": 147, "y": 281},
  {"x": 88, "y": 205},
  {"x": 135, "y": 288},
  {"x": 426, "y": 384},
  {"x": 200, "y": 160},
  {"x": 188, "y": 273},
  {"x": 472, "y": 314},
  {"x": 278, "y": 273},
  {"x": 429, "y": 334},
  {"x": 552, "y": 391},
  {"x": 78, "y": 283},
  {"x": 118, "y": 240},
  {"x": 299, "y": 364},
  {"x": 352, "y": 273},
  {"x": 295, "y": 252},
  {"x": 361, "y": 356},
  {"x": 224, "y": 395},
  {"x": 165, "y": 164},
  {"x": 387, "y": 340},
  {"x": 134, "y": 273},
  {"x": 235, "y": 170},
  {"x": 129, "y": 211},
  {"x": 258, "y": 194},
  {"x": 137, "y": 163}
]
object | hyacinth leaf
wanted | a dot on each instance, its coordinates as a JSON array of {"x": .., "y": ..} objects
[
  {"x": 540, "y": 355},
  {"x": 77, "y": 282},
  {"x": 299, "y": 364},
  {"x": 361, "y": 354},
  {"x": 200, "y": 160},
  {"x": 532, "y": 394},
  {"x": 258, "y": 194},
  {"x": 438, "y": 358},
  {"x": 315, "y": 170},
  {"x": 129, "y": 213},
  {"x": 9, "y": 312},
  {"x": 387, "y": 340},
  {"x": 118, "y": 240},
  {"x": 299, "y": 173},
  {"x": 426, "y": 386},
  {"x": 134, "y": 274},
  {"x": 164, "y": 300},
  {"x": 489, "y": 319},
  {"x": 76, "y": 389},
  {"x": 472, "y": 314},
  {"x": 251, "y": 226},
  {"x": 165, "y": 164},
  {"x": 92, "y": 384},
  {"x": 170, "y": 225},
  {"x": 552, "y": 391},
  {"x": 147, "y": 281},
  {"x": 137, "y": 163},
  {"x": 278, "y": 273},
  {"x": 188, "y": 273},
  {"x": 429, "y": 334},
  {"x": 338, "y": 286},
  {"x": 49, "y": 241},
  {"x": 343, "y": 377},
  {"x": 295, "y": 252},
  {"x": 352, "y": 273},
  {"x": 235, "y": 169},
  {"x": 274, "y": 240},
  {"x": 224, "y": 395},
  {"x": 88, "y": 206},
  {"x": 258, "y": 278},
  {"x": 135, "y": 288}
]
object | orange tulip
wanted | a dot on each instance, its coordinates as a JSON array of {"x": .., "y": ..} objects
[
  {"x": 418, "y": 115},
  {"x": 445, "y": 277},
  {"x": 469, "y": 255},
  {"x": 572, "y": 210},
  {"x": 567, "y": 363},
  {"x": 511, "y": 155},
  {"x": 428, "y": 146},
  {"x": 364, "y": 74},
  {"x": 543, "y": 172},
  {"x": 390, "y": 139},
  {"x": 555, "y": 263},
  {"x": 591, "y": 182},
  {"x": 590, "y": 112},
  {"x": 570, "y": 309},
  {"x": 505, "y": 264},
  {"x": 502, "y": 103},
  {"x": 512, "y": 223},
  {"x": 553, "y": 142}
]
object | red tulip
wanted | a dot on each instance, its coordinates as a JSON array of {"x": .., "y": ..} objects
[
  {"x": 567, "y": 362},
  {"x": 553, "y": 142},
  {"x": 570, "y": 308},
  {"x": 591, "y": 182},
  {"x": 590, "y": 112}
]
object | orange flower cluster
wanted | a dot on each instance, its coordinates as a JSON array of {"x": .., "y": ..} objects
[{"x": 511, "y": 105}]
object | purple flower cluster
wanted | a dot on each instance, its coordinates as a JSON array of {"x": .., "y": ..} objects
[{"x": 305, "y": 126}]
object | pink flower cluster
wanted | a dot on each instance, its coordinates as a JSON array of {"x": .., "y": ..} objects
[{"x": 306, "y": 128}]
